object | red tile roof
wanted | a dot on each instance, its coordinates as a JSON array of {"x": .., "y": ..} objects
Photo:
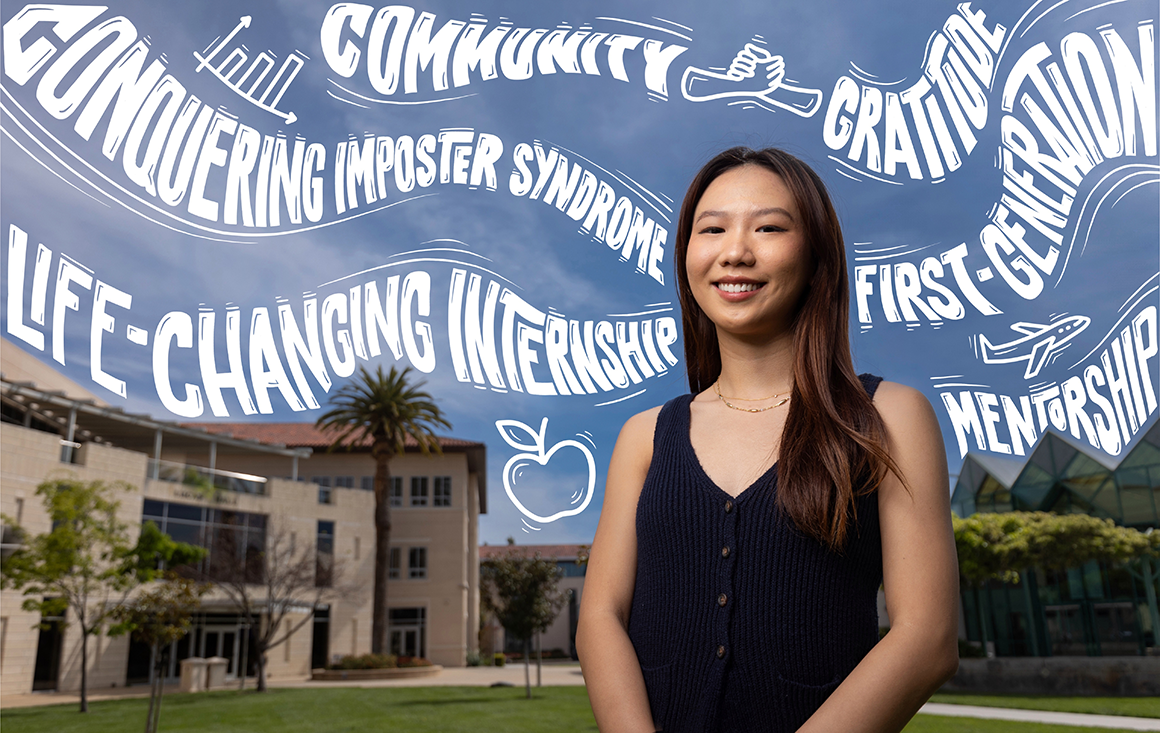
[
  {"x": 303, "y": 435},
  {"x": 548, "y": 552}
]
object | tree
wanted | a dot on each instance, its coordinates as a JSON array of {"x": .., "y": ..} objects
[
  {"x": 999, "y": 546},
  {"x": 283, "y": 578},
  {"x": 382, "y": 410},
  {"x": 524, "y": 594},
  {"x": 86, "y": 563},
  {"x": 160, "y": 616}
]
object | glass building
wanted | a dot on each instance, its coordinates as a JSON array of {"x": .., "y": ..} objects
[{"x": 1099, "y": 609}]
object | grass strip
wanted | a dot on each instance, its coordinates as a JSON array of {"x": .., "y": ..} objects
[{"x": 338, "y": 710}]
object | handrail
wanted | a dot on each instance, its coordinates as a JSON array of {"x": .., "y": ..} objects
[{"x": 208, "y": 478}]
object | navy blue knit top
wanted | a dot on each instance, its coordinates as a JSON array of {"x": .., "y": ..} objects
[{"x": 740, "y": 622}]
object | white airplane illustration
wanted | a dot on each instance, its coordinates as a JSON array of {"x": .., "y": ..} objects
[{"x": 1038, "y": 343}]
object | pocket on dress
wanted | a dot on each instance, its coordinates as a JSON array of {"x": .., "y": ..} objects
[
  {"x": 658, "y": 683},
  {"x": 801, "y": 700}
]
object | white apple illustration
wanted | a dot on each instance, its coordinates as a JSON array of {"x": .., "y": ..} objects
[{"x": 522, "y": 437}]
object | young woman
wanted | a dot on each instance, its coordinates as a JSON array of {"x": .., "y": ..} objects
[{"x": 746, "y": 528}]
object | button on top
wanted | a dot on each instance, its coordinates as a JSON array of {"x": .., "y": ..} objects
[
  {"x": 725, "y": 551},
  {"x": 728, "y": 506},
  {"x": 722, "y": 599},
  {"x": 721, "y": 652}
]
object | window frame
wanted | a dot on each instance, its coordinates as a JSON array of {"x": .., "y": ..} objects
[{"x": 417, "y": 563}]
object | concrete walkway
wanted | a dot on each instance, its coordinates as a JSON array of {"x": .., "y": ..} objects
[
  {"x": 554, "y": 675},
  {"x": 1119, "y": 722},
  {"x": 568, "y": 674}
]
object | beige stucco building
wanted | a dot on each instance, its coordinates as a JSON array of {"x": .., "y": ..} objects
[{"x": 267, "y": 478}]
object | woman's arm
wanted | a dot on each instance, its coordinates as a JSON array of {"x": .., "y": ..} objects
[
  {"x": 611, "y": 670},
  {"x": 920, "y": 575}
]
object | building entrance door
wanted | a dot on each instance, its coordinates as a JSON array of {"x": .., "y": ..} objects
[
  {"x": 405, "y": 642},
  {"x": 222, "y": 641},
  {"x": 48, "y": 644},
  {"x": 406, "y": 632}
]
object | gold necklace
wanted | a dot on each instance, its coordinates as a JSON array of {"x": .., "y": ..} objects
[{"x": 717, "y": 389}]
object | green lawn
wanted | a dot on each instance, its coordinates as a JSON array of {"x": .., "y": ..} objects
[
  {"x": 435, "y": 710},
  {"x": 339, "y": 710},
  {"x": 1140, "y": 707}
]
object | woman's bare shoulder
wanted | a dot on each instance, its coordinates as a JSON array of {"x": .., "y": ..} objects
[
  {"x": 641, "y": 425},
  {"x": 902, "y": 406},
  {"x": 634, "y": 446}
]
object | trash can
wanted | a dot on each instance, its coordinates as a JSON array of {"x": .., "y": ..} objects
[
  {"x": 216, "y": 672},
  {"x": 193, "y": 674}
]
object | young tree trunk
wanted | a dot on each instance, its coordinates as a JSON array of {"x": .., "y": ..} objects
[
  {"x": 157, "y": 710},
  {"x": 527, "y": 668},
  {"x": 539, "y": 662},
  {"x": 379, "y": 614},
  {"x": 153, "y": 684},
  {"x": 983, "y": 613},
  {"x": 84, "y": 665},
  {"x": 245, "y": 648},
  {"x": 262, "y": 670},
  {"x": 159, "y": 680}
]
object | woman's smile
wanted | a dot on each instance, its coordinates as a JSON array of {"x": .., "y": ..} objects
[{"x": 736, "y": 289}]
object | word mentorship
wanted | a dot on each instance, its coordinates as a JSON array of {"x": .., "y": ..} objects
[{"x": 1106, "y": 406}]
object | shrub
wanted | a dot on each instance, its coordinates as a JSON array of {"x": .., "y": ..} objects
[
  {"x": 413, "y": 662},
  {"x": 366, "y": 661},
  {"x": 500, "y": 659},
  {"x": 473, "y": 659}
]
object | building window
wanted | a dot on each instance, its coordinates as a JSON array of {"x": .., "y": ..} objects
[
  {"x": 418, "y": 491},
  {"x": 367, "y": 483},
  {"x": 324, "y": 554},
  {"x": 417, "y": 563},
  {"x": 396, "y": 491},
  {"x": 442, "y": 495},
  {"x": 234, "y": 540},
  {"x": 344, "y": 482},
  {"x": 407, "y": 631},
  {"x": 396, "y": 562},
  {"x": 324, "y": 495}
]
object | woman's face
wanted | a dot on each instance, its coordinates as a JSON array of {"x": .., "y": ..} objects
[{"x": 748, "y": 262}]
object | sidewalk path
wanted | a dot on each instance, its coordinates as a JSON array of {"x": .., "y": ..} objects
[
  {"x": 1119, "y": 722},
  {"x": 554, "y": 675}
]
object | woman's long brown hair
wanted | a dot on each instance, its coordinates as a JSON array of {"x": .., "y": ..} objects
[{"x": 833, "y": 447}]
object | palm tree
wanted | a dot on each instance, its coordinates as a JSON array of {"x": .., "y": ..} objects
[{"x": 384, "y": 410}]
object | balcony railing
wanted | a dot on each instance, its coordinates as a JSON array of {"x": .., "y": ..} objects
[{"x": 206, "y": 479}]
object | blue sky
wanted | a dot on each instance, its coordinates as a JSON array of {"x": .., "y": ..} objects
[{"x": 644, "y": 144}]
